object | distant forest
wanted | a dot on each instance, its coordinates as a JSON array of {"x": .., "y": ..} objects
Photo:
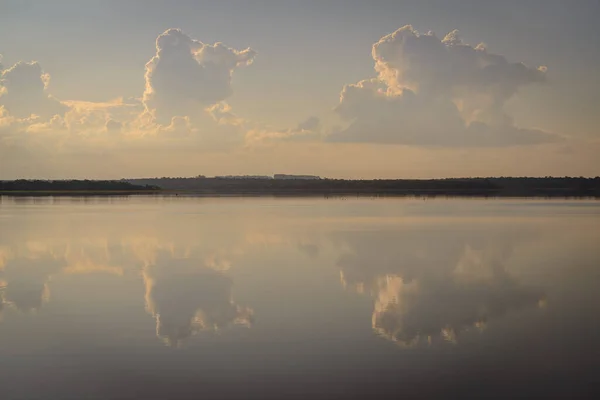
[
  {"x": 482, "y": 187},
  {"x": 23, "y": 185},
  {"x": 495, "y": 187}
]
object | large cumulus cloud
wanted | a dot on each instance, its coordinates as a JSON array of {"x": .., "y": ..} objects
[
  {"x": 181, "y": 109},
  {"x": 23, "y": 91},
  {"x": 436, "y": 92},
  {"x": 187, "y": 75}
]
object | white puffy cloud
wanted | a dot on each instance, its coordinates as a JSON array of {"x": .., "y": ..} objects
[
  {"x": 428, "y": 92},
  {"x": 426, "y": 64},
  {"x": 23, "y": 92},
  {"x": 181, "y": 108},
  {"x": 436, "y": 92},
  {"x": 185, "y": 76}
]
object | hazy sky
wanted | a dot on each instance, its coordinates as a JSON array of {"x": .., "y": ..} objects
[{"x": 110, "y": 89}]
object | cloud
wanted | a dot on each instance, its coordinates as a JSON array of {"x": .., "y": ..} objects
[
  {"x": 310, "y": 124},
  {"x": 436, "y": 92},
  {"x": 185, "y": 76},
  {"x": 114, "y": 137},
  {"x": 84, "y": 129},
  {"x": 307, "y": 130},
  {"x": 113, "y": 125},
  {"x": 23, "y": 92},
  {"x": 428, "y": 92},
  {"x": 180, "y": 110},
  {"x": 425, "y": 64},
  {"x": 110, "y": 116}
]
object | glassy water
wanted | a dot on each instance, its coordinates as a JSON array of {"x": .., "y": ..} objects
[{"x": 188, "y": 298}]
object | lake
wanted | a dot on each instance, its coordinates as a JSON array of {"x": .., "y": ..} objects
[{"x": 298, "y": 298}]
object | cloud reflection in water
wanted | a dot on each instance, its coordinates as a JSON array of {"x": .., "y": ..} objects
[
  {"x": 24, "y": 275},
  {"x": 186, "y": 297},
  {"x": 186, "y": 289},
  {"x": 432, "y": 285}
]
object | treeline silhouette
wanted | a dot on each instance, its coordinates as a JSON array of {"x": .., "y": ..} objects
[
  {"x": 24, "y": 185},
  {"x": 494, "y": 187},
  {"x": 488, "y": 187}
]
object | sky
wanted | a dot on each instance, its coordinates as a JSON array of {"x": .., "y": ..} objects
[{"x": 347, "y": 89}]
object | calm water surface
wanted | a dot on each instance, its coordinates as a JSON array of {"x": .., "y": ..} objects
[{"x": 189, "y": 298}]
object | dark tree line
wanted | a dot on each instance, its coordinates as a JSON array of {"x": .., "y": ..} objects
[
  {"x": 548, "y": 186},
  {"x": 24, "y": 185},
  {"x": 492, "y": 187}
]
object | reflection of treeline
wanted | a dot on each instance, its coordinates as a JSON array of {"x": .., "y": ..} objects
[
  {"x": 558, "y": 187},
  {"x": 24, "y": 185}
]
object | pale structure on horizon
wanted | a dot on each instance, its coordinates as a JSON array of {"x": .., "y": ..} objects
[{"x": 296, "y": 177}]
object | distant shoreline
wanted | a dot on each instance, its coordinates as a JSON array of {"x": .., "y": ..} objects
[
  {"x": 190, "y": 194},
  {"x": 77, "y": 192},
  {"x": 468, "y": 187},
  {"x": 464, "y": 187}
]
